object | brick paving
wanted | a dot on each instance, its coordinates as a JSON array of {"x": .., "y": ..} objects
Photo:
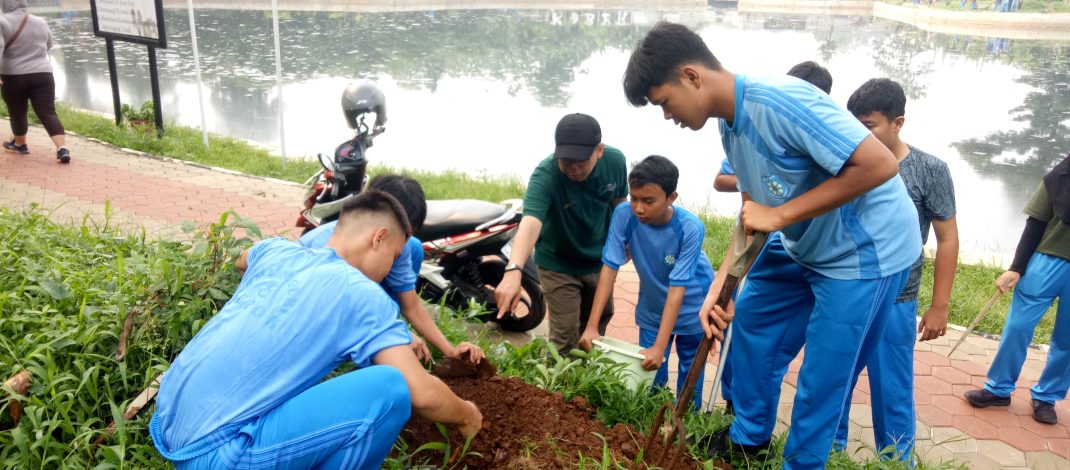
[{"x": 138, "y": 191}]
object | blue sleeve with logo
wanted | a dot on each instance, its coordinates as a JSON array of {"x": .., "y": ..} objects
[
  {"x": 690, "y": 252},
  {"x": 402, "y": 277},
  {"x": 417, "y": 254}
]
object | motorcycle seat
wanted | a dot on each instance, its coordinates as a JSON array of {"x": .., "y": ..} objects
[{"x": 456, "y": 216}]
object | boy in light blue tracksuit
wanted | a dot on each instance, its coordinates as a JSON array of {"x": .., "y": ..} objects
[
  {"x": 248, "y": 391},
  {"x": 848, "y": 235},
  {"x": 665, "y": 243},
  {"x": 880, "y": 104},
  {"x": 400, "y": 283}
]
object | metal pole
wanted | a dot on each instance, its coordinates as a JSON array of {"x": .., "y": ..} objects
[
  {"x": 278, "y": 74},
  {"x": 722, "y": 359},
  {"x": 114, "y": 75},
  {"x": 154, "y": 76},
  {"x": 197, "y": 68}
]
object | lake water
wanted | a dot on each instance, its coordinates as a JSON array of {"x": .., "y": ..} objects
[{"x": 481, "y": 91}]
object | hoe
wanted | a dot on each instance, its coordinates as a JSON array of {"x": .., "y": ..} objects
[{"x": 743, "y": 256}]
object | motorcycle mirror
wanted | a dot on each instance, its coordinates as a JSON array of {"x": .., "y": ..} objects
[{"x": 326, "y": 162}]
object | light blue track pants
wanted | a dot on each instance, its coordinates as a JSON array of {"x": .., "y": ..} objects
[
  {"x": 1046, "y": 278},
  {"x": 783, "y": 306},
  {"x": 349, "y": 421},
  {"x": 686, "y": 348},
  {"x": 891, "y": 386}
]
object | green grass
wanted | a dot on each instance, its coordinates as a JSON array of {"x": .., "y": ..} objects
[
  {"x": 66, "y": 292},
  {"x": 68, "y": 289},
  {"x": 973, "y": 284}
]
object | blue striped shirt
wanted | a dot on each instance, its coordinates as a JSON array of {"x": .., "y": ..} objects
[
  {"x": 665, "y": 256},
  {"x": 787, "y": 137}
]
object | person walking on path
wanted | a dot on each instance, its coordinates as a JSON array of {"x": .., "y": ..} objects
[
  {"x": 848, "y": 236},
  {"x": 26, "y": 77},
  {"x": 567, "y": 209},
  {"x": 1042, "y": 264},
  {"x": 880, "y": 105},
  {"x": 248, "y": 389},
  {"x": 665, "y": 242}
]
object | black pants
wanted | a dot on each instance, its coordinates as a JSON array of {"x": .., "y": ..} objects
[{"x": 38, "y": 89}]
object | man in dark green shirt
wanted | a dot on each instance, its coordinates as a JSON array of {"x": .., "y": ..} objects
[{"x": 567, "y": 208}]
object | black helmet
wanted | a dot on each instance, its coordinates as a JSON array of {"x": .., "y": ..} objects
[{"x": 363, "y": 97}]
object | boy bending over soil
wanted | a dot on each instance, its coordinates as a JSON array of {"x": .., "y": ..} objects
[
  {"x": 848, "y": 235},
  {"x": 248, "y": 389},
  {"x": 665, "y": 242},
  {"x": 400, "y": 283}
]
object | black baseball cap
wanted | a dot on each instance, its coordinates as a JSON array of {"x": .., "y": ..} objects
[{"x": 576, "y": 137}]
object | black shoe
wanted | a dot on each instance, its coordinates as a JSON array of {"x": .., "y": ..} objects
[
  {"x": 983, "y": 399},
  {"x": 719, "y": 445},
  {"x": 1044, "y": 412},
  {"x": 63, "y": 155},
  {"x": 11, "y": 146}
]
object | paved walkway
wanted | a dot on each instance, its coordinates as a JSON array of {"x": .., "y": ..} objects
[{"x": 158, "y": 194}]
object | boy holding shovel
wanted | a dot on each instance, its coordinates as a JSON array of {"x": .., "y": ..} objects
[
  {"x": 848, "y": 234},
  {"x": 665, "y": 242}
]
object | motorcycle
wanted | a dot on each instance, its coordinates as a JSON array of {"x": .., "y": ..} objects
[{"x": 466, "y": 242}]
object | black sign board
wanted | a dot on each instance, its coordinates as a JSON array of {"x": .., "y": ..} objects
[{"x": 139, "y": 21}]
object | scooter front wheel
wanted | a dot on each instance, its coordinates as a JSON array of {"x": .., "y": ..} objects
[{"x": 531, "y": 310}]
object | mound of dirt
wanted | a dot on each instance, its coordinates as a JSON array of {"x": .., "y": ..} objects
[{"x": 525, "y": 426}]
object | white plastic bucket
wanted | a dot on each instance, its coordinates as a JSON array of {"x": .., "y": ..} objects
[{"x": 628, "y": 354}]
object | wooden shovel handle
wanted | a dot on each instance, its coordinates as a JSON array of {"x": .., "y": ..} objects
[{"x": 744, "y": 255}]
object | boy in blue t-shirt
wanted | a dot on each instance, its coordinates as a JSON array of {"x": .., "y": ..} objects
[
  {"x": 665, "y": 242},
  {"x": 248, "y": 389},
  {"x": 848, "y": 234},
  {"x": 400, "y": 283}
]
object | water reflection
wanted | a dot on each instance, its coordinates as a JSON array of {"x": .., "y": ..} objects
[
  {"x": 1019, "y": 155},
  {"x": 481, "y": 90}
]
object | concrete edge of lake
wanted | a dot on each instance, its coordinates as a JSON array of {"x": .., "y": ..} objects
[{"x": 1017, "y": 25}]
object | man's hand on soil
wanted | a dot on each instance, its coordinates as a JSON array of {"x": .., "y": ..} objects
[
  {"x": 587, "y": 339},
  {"x": 507, "y": 294},
  {"x": 473, "y": 421},
  {"x": 933, "y": 324},
  {"x": 420, "y": 349},
  {"x": 653, "y": 357},
  {"x": 466, "y": 351}
]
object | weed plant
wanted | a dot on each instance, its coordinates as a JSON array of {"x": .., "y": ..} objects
[{"x": 66, "y": 292}]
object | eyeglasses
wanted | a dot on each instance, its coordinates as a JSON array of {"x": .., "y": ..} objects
[{"x": 567, "y": 163}]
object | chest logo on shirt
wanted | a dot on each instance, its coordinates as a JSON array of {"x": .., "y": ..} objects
[
  {"x": 608, "y": 188},
  {"x": 776, "y": 187},
  {"x": 670, "y": 260}
]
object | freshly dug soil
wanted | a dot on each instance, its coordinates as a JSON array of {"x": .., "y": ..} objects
[{"x": 524, "y": 427}]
